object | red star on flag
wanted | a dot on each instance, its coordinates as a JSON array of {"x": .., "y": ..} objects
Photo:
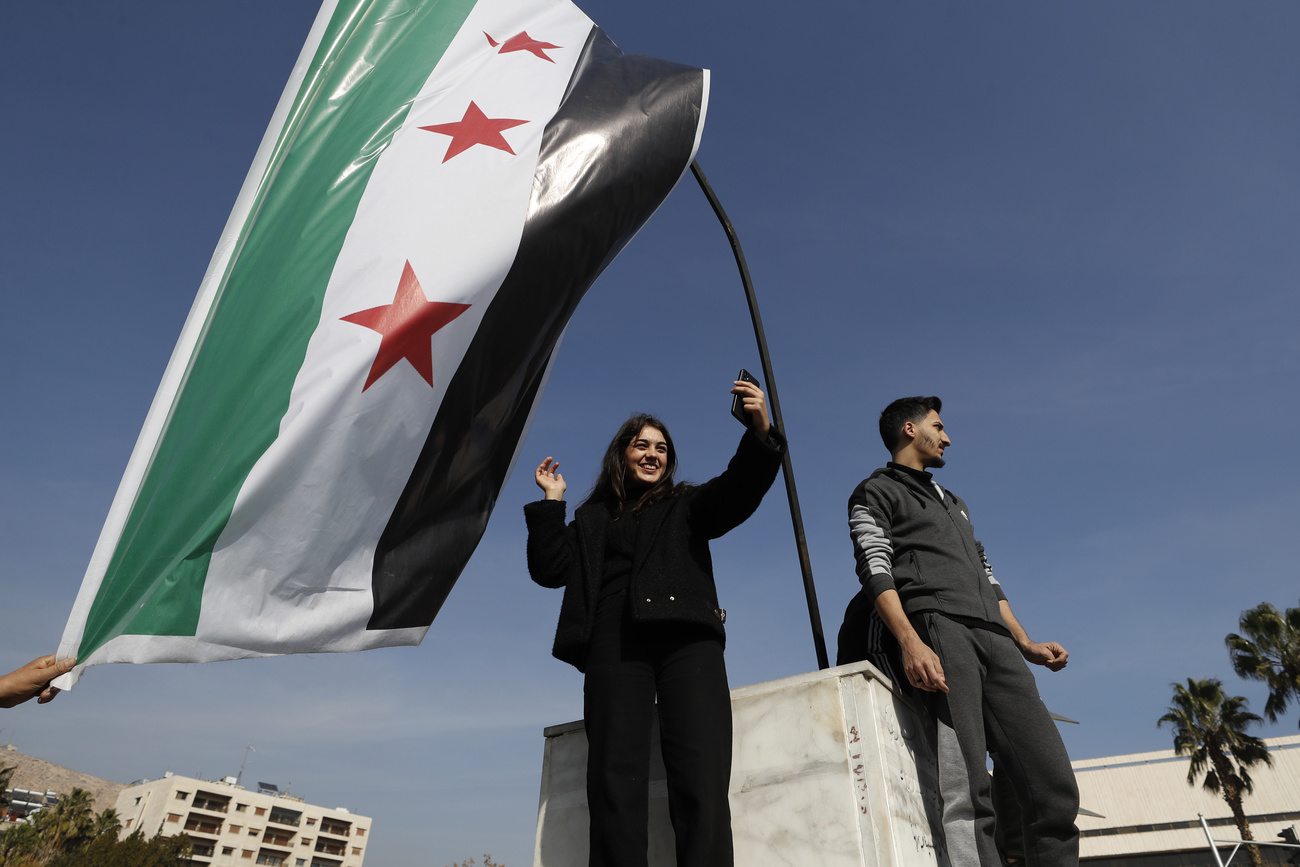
[
  {"x": 407, "y": 325},
  {"x": 521, "y": 41},
  {"x": 475, "y": 128}
]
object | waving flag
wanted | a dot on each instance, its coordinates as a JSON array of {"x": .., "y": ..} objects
[{"x": 440, "y": 184}]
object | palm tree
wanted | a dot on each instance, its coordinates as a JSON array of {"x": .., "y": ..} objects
[
  {"x": 107, "y": 822},
  {"x": 5, "y": 774},
  {"x": 19, "y": 844},
  {"x": 65, "y": 826},
  {"x": 1210, "y": 728},
  {"x": 1269, "y": 650}
]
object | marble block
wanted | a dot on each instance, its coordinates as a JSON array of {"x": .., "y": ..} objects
[{"x": 829, "y": 769}]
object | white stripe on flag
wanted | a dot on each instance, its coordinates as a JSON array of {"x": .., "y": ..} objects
[
  {"x": 292, "y": 569},
  {"x": 173, "y": 378}
]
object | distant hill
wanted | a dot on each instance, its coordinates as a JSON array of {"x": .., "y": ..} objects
[{"x": 38, "y": 775}]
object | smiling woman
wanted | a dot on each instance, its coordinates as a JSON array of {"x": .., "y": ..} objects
[
  {"x": 641, "y": 618},
  {"x": 644, "y": 457}
]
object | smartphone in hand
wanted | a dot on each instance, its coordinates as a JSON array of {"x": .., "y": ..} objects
[{"x": 737, "y": 402}]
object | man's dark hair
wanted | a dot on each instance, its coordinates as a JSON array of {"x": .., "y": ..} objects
[{"x": 900, "y": 412}]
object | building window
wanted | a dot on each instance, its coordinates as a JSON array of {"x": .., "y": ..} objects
[
  {"x": 331, "y": 847},
  {"x": 361, "y": 832},
  {"x": 261, "y": 811},
  {"x": 298, "y": 862},
  {"x": 181, "y": 796},
  {"x": 128, "y": 823},
  {"x": 275, "y": 837},
  {"x": 253, "y": 832},
  {"x": 173, "y": 817},
  {"x": 227, "y": 850},
  {"x": 137, "y": 801},
  {"x": 311, "y": 821},
  {"x": 241, "y": 807},
  {"x": 281, "y": 816},
  {"x": 211, "y": 802},
  {"x": 356, "y": 850},
  {"x": 202, "y": 824},
  {"x": 235, "y": 829},
  {"x": 247, "y": 854},
  {"x": 306, "y": 841},
  {"x": 335, "y": 827}
]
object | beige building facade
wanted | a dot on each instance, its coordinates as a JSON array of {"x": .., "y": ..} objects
[
  {"x": 231, "y": 826},
  {"x": 1149, "y": 812}
]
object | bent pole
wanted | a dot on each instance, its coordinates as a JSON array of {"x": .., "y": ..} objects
[
  {"x": 1214, "y": 849},
  {"x": 796, "y": 517}
]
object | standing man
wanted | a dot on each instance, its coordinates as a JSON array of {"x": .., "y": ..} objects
[{"x": 927, "y": 579}]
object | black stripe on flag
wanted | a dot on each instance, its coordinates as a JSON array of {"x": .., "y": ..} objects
[{"x": 582, "y": 213}]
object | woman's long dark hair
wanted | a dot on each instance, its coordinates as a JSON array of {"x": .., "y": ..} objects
[{"x": 610, "y": 486}]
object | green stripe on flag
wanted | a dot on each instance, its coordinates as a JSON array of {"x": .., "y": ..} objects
[{"x": 372, "y": 61}]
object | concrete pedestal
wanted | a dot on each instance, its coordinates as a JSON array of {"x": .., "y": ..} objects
[{"x": 829, "y": 769}]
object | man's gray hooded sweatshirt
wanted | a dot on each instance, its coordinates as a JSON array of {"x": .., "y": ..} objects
[{"x": 912, "y": 536}]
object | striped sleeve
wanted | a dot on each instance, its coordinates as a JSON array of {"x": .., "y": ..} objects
[
  {"x": 988, "y": 573},
  {"x": 873, "y": 553}
]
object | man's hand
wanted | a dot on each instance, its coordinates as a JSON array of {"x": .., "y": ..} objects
[
  {"x": 1047, "y": 653},
  {"x": 922, "y": 667},
  {"x": 33, "y": 680}
]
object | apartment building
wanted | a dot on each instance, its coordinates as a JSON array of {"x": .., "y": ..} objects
[{"x": 231, "y": 826}]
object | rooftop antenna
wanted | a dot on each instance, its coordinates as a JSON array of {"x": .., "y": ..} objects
[{"x": 244, "y": 762}]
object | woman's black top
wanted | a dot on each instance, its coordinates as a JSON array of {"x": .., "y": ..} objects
[{"x": 620, "y": 542}]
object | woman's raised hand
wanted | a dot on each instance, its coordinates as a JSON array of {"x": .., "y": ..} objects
[
  {"x": 549, "y": 479},
  {"x": 755, "y": 403}
]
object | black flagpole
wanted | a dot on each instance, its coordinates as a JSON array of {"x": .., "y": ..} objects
[{"x": 796, "y": 517}]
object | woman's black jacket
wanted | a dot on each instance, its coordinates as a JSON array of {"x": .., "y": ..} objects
[{"x": 672, "y": 572}]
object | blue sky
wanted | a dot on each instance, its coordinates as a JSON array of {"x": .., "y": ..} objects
[{"x": 1074, "y": 222}]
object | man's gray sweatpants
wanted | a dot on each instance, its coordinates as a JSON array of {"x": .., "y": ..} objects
[{"x": 992, "y": 703}]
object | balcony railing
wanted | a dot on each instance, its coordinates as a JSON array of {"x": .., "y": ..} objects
[
  {"x": 283, "y": 818},
  {"x": 196, "y": 825},
  {"x": 212, "y": 804}
]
